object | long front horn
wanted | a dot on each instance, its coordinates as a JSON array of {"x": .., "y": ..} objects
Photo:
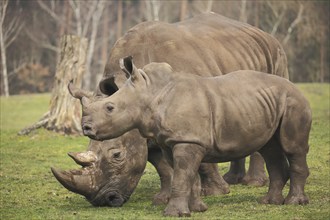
[
  {"x": 75, "y": 181},
  {"x": 76, "y": 92}
]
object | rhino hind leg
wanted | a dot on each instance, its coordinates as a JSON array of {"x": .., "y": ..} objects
[
  {"x": 212, "y": 181},
  {"x": 294, "y": 134},
  {"x": 298, "y": 175},
  {"x": 278, "y": 169},
  {"x": 236, "y": 172},
  {"x": 256, "y": 175}
]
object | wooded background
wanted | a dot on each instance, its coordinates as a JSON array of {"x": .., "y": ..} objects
[{"x": 30, "y": 32}]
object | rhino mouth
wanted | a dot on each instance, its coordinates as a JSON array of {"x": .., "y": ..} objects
[
  {"x": 83, "y": 180},
  {"x": 110, "y": 198}
]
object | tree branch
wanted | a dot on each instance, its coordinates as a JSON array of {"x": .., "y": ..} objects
[
  {"x": 294, "y": 24},
  {"x": 50, "y": 11},
  {"x": 41, "y": 44}
]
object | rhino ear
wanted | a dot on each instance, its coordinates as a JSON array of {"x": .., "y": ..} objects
[
  {"x": 127, "y": 66},
  {"x": 136, "y": 75}
]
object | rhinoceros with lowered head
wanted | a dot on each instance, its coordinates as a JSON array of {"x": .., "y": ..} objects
[
  {"x": 226, "y": 118},
  {"x": 208, "y": 44}
]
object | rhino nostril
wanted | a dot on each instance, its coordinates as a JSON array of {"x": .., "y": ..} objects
[
  {"x": 87, "y": 128},
  {"x": 115, "y": 200},
  {"x": 112, "y": 198},
  {"x": 88, "y": 131}
]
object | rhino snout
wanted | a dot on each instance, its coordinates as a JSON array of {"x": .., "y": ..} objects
[
  {"x": 88, "y": 130},
  {"x": 111, "y": 199},
  {"x": 115, "y": 200}
]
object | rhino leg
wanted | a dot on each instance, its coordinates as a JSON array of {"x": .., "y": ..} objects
[
  {"x": 186, "y": 161},
  {"x": 212, "y": 181},
  {"x": 165, "y": 172},
  {"x": 236, "y": 172},
  {"x": 256, "y": 175},
  {"x": 195, "y": 202},
  {"x": 278, "y": 169},
  {"x": 294, "y": 135},
  {"x": 298, "y": 175}
]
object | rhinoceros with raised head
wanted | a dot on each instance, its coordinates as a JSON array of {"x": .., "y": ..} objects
[
  {"x": 208, "y": 44},
  {"x": 225, "y": 118}
]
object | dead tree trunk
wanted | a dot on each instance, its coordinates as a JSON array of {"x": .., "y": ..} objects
[{"x": 64, "y": 111}]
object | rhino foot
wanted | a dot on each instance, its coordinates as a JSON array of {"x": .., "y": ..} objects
[
  {"x": 255, "y": 180},
  {"x": 209, "y": 189},
  {"x": 272, "y": 199},
  {"x": 233, "y": 178},
  {"x": 197, "y": 206},
  {"x": 177, "y": 207},
  {"x": 296, "y": 199},
  {"x": 161, "y": 198}
]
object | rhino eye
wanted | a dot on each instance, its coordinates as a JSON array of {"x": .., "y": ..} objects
[
  {"x": 109, "y": 108},
  {"x": 116, "y": 155}
]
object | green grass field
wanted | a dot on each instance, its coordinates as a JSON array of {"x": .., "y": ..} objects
[{"x": 28, "y": 190}]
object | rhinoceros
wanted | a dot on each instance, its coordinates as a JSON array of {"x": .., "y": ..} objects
[
  {"x": 111, "y": 158},
  {"x": 215, "y": 45},
  {"x": 226, "y": 118},
  {"x": 207, "y": 43}
]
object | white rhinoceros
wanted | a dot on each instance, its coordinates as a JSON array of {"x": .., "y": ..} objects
[
  {"x": 208, "y": 44},
  {"x": 224, "y": 118}
]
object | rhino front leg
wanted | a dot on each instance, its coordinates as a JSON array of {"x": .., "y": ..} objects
[
  {"x": 212, "y": 181},
  {"x": 186, "y": 161},
  {"x": 165, "y": 172},
  {"x": 195, "y": 202},
  {"x": 256, "y": 175}
]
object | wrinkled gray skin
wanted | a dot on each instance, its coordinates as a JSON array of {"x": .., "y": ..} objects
[
  {"x": 226, "y": 118},
  {"x": 208, "y": 44},
  {"x": 216, "y": 45}
]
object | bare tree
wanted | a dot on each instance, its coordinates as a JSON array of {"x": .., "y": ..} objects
[
  {"x": 95, "y": 23},
  {"x": 8, "y": 34},
  {"x": 198, "y": 6},
  {"x": 88, "y": 14},
  {"x": 243, "y": 15},
  {"x": 295, "y": 22},
  {"x": 153, "y": 7},
  {"x": 86, "y": 20},
  {"x": 183, "y": 11},
  {"x": 278, "y": 16},
  {"x": 65, "y": 112},
  {"x": 119, "y": 19}
]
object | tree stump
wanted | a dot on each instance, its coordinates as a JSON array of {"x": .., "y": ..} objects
[{"x": 64, "y": 113}]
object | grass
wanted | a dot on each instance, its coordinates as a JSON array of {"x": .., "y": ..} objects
[{"x": 29, "y": 191}]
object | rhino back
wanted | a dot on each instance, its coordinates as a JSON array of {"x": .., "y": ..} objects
[
  {"x": 206, "y": 45},
  {"x": 224, "y": 113}
]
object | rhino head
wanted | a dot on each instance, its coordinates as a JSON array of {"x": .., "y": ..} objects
[
  {"x": 110, "y": 169},
  {"x": 126, "y": 109}
]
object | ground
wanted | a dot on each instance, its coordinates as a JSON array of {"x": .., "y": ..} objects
[{"x": 29, "y": 190}]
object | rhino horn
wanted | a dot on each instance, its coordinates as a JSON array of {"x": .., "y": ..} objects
[
  {"x": 75, "y": 182},
  {"x": 76, "y": 92},
  {"x": 84, "y": 159}
]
